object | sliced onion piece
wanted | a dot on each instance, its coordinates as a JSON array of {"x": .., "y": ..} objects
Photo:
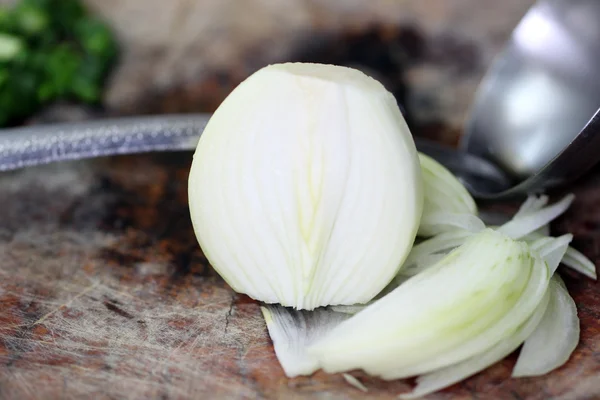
[
  {"x": 475, "y": 297},
  {"x": 580, "y": 263},
  {"x": 442, "y": 221},
  {"x": 444, "y": 377},
  {"x": 352, "y": 381},
  {"x": 531, "y": 205},
  {"x": 442, "y": 242},
  {"x": 554, "y": 339},
  {"x": 292, "y": 331},
  {"x": 572, "y": 258},
  {"x": 544, "y": 230},
  {"x": 447, "y": 203},
  {"x": 479, "y": 344},
  {"x": 424, "y": 254},
  {"x": 537, "y": 234},
  {"x": 552, "y": 249},
  {"x": 525, "y": 224}
]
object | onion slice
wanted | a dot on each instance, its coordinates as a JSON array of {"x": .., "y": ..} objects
[
  {"x": 531, "y": 205},
  {"x": 531, "y": 223},
  {"x": 292, "y": 331},
  {"x": 528, "y": 222},
  {"x": 352, "y": 381},
  {"x": 442, "y": 242},
  {"x": 452, "y": 374},
  {"x": 554, "y": 339},
  {"x": 552, "y": 249},
  {"x": 572, "y": 258},
  {"x": 475, "y": 297},
  {"x": 447, "y": 203},
  {"x": 580, "y": 263},
  {"x": 442, "y": 221}
]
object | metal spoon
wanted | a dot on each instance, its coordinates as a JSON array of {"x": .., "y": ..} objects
[
  {"x": 537, "y": 112},
  {"x": 530, "y": 127}
]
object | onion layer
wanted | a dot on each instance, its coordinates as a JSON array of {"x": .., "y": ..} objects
[{"x": 554, "y": 339}]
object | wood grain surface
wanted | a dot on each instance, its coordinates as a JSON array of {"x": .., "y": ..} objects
[{"x": 105, "y": 294}]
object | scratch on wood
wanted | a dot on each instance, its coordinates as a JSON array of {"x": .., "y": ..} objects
[
  {"x": 230, "y": 311},
  {"x": 117, "y": 310},
  {"x": 68, "y": 303}
]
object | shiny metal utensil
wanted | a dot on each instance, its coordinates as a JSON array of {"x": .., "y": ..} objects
[
  {"x": 43, "y": 144},
  {"x": 537, "y": 112},
  {"x": 29, "y": 146}
]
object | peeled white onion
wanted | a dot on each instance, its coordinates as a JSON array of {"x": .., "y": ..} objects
[{"x": 306, "y": 189}]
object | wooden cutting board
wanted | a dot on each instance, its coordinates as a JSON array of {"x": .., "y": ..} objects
[{"x": 105, "y": 294}]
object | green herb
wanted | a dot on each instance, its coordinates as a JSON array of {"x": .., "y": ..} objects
[{"x": 51, "y": 50}]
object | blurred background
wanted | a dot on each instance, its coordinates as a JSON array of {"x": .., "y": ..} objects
[{"x": 67, "y": 60}]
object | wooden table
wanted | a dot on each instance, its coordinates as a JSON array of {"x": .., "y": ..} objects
[{"x": 105, "y": 294}]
